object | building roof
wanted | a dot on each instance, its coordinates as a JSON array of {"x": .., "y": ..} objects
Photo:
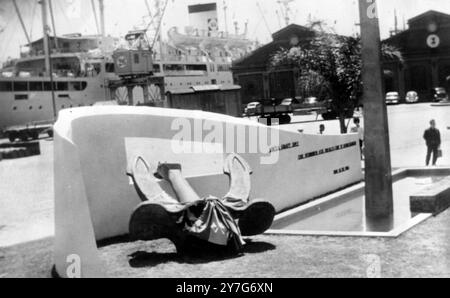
[
  {"x": 429, "y": 14},
  {"x": 414, "y": 40},
  {"x": 281, "y": 40},
  {"x": 286, "y": 32}
]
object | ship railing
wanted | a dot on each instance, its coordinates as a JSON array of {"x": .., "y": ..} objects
[{"x": 185, "y": 72}]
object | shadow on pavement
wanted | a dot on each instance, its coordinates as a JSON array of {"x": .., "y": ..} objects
[{"x": 196, "y": 255}]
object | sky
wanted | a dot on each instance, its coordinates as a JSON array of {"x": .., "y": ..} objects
[{"x": 122, "y": 15}]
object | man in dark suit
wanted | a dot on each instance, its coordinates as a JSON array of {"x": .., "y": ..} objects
[{"x": 432, "y": 138}]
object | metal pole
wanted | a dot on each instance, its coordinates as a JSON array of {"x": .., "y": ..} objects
[
  {"x": 130, "y": 95},
  {"x": 52, "y": 88},
  {"x": 102, "y": 17},
  {"x": 48, "y": 62},
  {"x": 379, "y": 202},
  {"x": 45, "y": 29},
  {"x": 94, "y": 11},
  {"x": 53, "y": 23},
  {"x": 264, "y": 18},
  {"x": 225, "y": 7},
  {"x": 21, "y": 22}
]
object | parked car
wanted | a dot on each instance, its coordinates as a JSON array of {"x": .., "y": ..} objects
[
  {"x": 439, "y": 94},
  {"x": 392, "y": 98},
  {"x": 253, "y": 108},
  {"x": 412, "y": 97}
]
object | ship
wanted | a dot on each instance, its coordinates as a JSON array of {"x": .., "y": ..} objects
[{"x": 81, "y": 67}]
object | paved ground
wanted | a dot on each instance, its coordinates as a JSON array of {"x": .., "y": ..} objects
[{"x": 26, "y": 214}]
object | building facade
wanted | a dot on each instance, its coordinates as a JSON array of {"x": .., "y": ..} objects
[
  {"x": 258, "y": 80},
  {"x": 425, "y": 47}
]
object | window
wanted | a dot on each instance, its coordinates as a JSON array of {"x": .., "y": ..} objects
[
  {"x": 173, "y": 67},
  {"x": 47, "y": 86},
  {"x": 136, "y": 58},
  {"x": 156, "y": 68},
  {"x": 5, "y": 86},
  {"x": 198, "y": 67},
  {"x": 21, "y": 97},
  {"x": 62, "y": 86},
  {"x": 63, "y": 96},
  {"x": 223, "y": 67},
  {"x": 20, "y": 86},
  {"x": 109, "y": 67},
  {"x": 74, "y": 86},
  {"x": 36, "y": 86}
]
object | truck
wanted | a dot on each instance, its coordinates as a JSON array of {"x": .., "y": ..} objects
[
  {"x": 282, "y": 110},
  {"x": 28, "y": 131}
]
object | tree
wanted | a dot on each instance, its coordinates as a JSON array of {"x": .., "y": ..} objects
[{"x": 330, "y": 64}]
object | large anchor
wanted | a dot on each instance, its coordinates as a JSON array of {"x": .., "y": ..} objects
[{"x": 221, "y": 222}]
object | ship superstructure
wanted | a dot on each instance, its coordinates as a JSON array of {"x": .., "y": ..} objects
[{"x": 82, "y": 66}]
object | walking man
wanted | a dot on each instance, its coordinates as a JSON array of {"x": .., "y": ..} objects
[{"x": 432, "y": 138}]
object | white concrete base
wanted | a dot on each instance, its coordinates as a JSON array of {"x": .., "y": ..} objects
[{"x": 94, "y": 198}]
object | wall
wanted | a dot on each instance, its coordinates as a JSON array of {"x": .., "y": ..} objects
[{"x": 93, "y": 195}]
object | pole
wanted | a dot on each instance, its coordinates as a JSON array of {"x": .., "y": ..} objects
[
  {"x": 50, "y": 5},
  {"x": 102, "y": 17},
  {"x": 21, "y": 22},
  {"x": 48, "y": 62},
  {"x": 46, "y": 39},
  {"x": 225, "y": 7},
  {"x": 264, "y": 17},
  {"x": 52, "y": 88},
  {"x": 395, "y": 22},
  {"x": 379, "y": 202},
  {"x": 94, "y": 11}
]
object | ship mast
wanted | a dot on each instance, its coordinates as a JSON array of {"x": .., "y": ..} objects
[
  {"x": 21, "y": 21},
  {"x": 286, "y": 10},
  {"x": 225, "y": 7},
  {"x": 102, "y": 17},
  {"x": 45, "y": 29},
  {"x": 94, "y": 11},
  {"x": 48, "y": 64},
  {"x": 50, "y": 5}
]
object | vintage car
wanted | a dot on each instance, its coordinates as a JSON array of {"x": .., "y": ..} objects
[
  {"x": 392, "y": 98},
  {"x": 412, "y": 97},
  {"x": 440, "y": 94}
]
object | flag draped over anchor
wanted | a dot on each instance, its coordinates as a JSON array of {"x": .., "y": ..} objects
[{"x": 211, "y": 221}]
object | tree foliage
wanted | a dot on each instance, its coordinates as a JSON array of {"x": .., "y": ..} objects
[{"x": 330, "y": 65}]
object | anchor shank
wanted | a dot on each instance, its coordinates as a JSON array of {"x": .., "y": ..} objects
[{"x": 172, "y": 173}]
